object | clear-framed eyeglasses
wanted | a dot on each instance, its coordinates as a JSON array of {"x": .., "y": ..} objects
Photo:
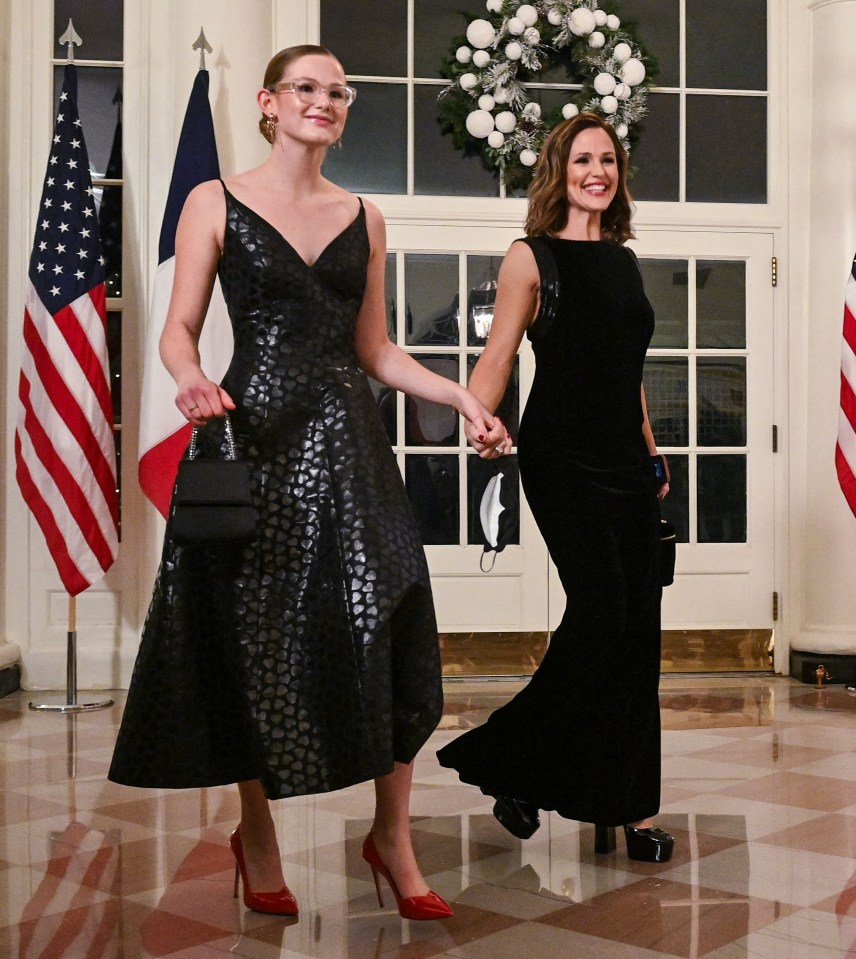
[{"x": 308, "y": 91}]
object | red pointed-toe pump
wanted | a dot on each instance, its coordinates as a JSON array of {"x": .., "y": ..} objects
[
  {"x": 430, "y": 906},
  {"x": 281, "y": 903}
]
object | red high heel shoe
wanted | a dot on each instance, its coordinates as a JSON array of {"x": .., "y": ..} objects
[
  {"x": 430, "y": 906},
  {"x": 280, "y": 903}
]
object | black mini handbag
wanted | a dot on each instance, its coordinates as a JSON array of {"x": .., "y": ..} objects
[
  {"x": 212, "y": 505},
  {"x": 668, "y": 539}
]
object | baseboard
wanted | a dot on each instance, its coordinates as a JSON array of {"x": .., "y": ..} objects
[
  {"x": 819, "y": 669},
  {"x": 10, "y": 680}
]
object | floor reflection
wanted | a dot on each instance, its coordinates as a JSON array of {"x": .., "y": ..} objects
[{"x": 759, "y": 782}]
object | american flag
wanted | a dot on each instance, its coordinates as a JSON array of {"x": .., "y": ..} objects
[
  {"x": 845, "y": 448},
  {"x": 64, "y": 448}
]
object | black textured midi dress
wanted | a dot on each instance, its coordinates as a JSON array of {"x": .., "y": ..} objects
[
  {"x": 583, "y": 737},
  {"x": 308, "y": 659}
]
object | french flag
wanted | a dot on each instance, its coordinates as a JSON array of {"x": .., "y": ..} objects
[{"x": 164, "y": 432}]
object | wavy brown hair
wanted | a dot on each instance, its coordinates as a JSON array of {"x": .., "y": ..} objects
[
  {"x": 279, "y": 63},
  {"x": 548, "y": 192}
]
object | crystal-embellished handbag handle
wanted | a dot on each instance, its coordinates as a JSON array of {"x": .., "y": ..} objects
[{"x": 230, "y": 439}]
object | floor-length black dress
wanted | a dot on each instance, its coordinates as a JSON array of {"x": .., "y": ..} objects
[
  {"x": 583, "y": 737},
  {"x": 309, "y": 658}
]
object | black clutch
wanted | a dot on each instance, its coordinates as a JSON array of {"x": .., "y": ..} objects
[
  {"x": 668, "y": 538},
  {"x": 212, "y": 505}
]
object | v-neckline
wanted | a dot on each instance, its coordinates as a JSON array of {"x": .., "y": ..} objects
[{"x": 284, "y": 238}]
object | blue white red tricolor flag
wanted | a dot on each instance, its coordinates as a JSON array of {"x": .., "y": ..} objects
[
  {"x": 64, "y": 449},
  {"x": 845, "y": 448},
  {"x": 164, "y": 432}
]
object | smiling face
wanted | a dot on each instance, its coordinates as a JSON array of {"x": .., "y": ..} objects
[
  {"x": 319, "y": 123},
  {"x": 593, "y": 175}
]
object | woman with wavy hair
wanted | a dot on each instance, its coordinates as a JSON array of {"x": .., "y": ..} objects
[{"x": 583, "y": 737}]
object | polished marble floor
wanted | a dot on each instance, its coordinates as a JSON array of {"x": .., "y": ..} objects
[{"x": 759, "y": 789}]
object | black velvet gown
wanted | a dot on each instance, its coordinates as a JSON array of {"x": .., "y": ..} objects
[
  {"x": 583, "y": 737},
  {"x": 308, "y": 659}
]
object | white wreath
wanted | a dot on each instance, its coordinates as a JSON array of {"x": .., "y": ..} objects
[{"x": 488, "y": 101}]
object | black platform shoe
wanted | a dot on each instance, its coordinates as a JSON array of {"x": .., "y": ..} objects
[
  {"x": 643, "y": 845},
  {"x": 519, "y": 817},
  {"x": 648, "y": 845}
]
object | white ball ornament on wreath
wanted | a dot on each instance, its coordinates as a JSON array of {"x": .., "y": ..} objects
[
  {"x": 481, "y": 34},
  {"x": 582, "y": 22},
  {"x": 510, "y": 47},
  {"x": 622, "y": 52},
  {"x": 633, "y": 72},
  {"x": 528, "y": 14},
  {"x": 505, "y": 122},
  {"x": 604, "y": 83},
  {"x": 479, "y": 124}
]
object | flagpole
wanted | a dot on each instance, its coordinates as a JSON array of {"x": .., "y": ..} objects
[
  {"x": 71, "y": 39},
  {"x": 71, "y": 705}
]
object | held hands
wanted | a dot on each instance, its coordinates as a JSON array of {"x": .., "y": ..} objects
[
  {"x": 199, "y": 399},
  {"x": 486, "y": 434},
  {"x": 489, "y": 441}
]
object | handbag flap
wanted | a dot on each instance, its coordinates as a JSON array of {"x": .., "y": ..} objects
[{"x": 212, "y": 482}]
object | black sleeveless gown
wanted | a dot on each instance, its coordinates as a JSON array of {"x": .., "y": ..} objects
[
  {"x": 583, "y": 737},
  {"x": 308, "y": 659}
]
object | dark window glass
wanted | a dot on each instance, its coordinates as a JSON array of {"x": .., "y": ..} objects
[
  {"x": 110, "y": 227},
  {"x": 432, "y": 424},
  {"x": 439, "y": 168},
  {"x": 666, "y": 395},
  {"x": 721, "y": 304},
  {"x": 99, "y": 26},
  {"x": 114, "y": 355},
  {"x": 370, "y": 38},
  {"x": 727, "y": 149},
  {"x": 509, "y": 406},
  {"x": 655, "y": 25},
  {"x": 373, "y": 158},
  {"x": 431, "y": 298},
  {"x": 721, "y": 401},
  {"x": 387, "y": 410},
  {"x": 390, "y": 285},
  {"x": 676, "y": 506},
  {"x": 432, "y": 485},
  {"x": 667, "y": 290},
  {"x": 722, "y": 499},
  {"x": 98, "y": 95},
  {"x": 437, "y": 23},
  {"x": 654, "y": 159},
  {"x": 482, "y": 273},
  {"x": 479, "y": 474},
  {"x": 727, "y": 44}
]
